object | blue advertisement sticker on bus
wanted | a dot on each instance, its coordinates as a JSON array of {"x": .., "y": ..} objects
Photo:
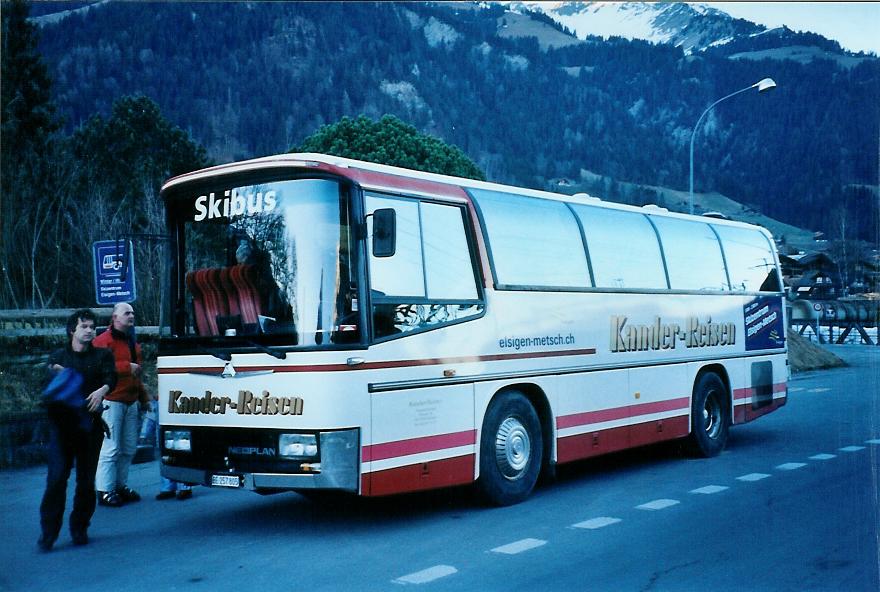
[{"x": 764, "y": 326}]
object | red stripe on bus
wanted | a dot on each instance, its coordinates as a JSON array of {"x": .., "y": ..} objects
[
  {"x": 381, "y": 180},
  {"x": 382, "y": 365},
  {"x": 430, "y": 475},
  {"x": 418, "y": 445},
  {"x": 745, "y": 393},
  {"x": 614, "y": 413},
  {"x": 580, "y": 446},
  {"x": 743, "y": 412}
]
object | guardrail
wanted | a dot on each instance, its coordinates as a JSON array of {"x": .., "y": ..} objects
[{"x": 50, "y": 321}]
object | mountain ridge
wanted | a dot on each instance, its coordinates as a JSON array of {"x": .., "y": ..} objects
[
  {"x": 252, "y": 79},
  {"x": 695, "y": 27}
]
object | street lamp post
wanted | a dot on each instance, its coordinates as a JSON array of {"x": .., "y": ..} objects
[{"x": 762, "y": 86}]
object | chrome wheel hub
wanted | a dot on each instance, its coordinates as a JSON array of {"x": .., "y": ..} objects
[
  {"x": 512, "y": 448},
  {"x": 712, "y": 416}
]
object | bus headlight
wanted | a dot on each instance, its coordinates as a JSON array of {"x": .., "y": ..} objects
[
  {"x": 297, "y": 446},
  {"x": 178, "y": 440}
]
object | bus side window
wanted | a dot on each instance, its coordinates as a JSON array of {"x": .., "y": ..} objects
[
  {"x": 750, "y": 261},
  {"x": 533, "y": 243},
  {"x": 623, "y": 248},
  {"x": 430, "y": 278},
  {"x": 693, "y": 254}
]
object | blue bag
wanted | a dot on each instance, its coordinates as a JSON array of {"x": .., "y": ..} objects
[{"x": 65, "y": 389}]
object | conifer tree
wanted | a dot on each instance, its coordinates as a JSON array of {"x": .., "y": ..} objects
[{"x": 393, "y": 142}]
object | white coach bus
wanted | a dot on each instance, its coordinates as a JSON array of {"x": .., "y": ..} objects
[{"x": 342, "y": 325}]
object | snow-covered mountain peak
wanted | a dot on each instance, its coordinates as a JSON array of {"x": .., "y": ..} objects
[{"x": 694, "y": 27}]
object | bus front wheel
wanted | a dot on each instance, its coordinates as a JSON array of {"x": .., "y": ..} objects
[
  {"x": 510, "y": 450},
  {"x": 710, "y": 416}
]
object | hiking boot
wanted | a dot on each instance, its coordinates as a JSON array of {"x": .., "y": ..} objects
[
  {"x": 128, "y": 494},
  {"x": 184, "y": 494},
  {"x": 80, "y": 537},
  {"x": 109, "y": 498}
]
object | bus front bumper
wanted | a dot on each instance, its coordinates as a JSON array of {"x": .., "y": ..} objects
[{"x": 339, "y": 470}]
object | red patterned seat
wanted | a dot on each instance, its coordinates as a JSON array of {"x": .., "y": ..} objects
[
  {"x": 229, "y": 289},
  {"x": 244, "y": 281},
  {"x": 209, "y": 299}
]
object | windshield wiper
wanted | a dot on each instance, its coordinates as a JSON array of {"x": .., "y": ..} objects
[
  {"x": 281, "y": 355},
  {"x": 225, "y": 356}
]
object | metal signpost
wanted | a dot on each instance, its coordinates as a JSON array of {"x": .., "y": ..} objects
[{"x": 113, "y": 283}]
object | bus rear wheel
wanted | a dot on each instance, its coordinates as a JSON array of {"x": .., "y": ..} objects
[
  {"x": 510, "y": 450},
  {"x": 710, "y": 417}
]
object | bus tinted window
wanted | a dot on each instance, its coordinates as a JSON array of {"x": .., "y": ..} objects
[
  {"x": 750, "y": 261},
  {"x": 693, "y": 255},
  {"x": 533, "y": 242},
  {"x": 623, "y": 248}
]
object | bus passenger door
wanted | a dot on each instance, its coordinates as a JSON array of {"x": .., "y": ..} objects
[{"x": 422, "y": 438}]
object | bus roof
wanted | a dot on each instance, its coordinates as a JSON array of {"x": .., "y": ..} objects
[{"x": 422, "y": 183}]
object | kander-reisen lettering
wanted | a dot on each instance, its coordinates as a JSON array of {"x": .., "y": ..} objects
[
  {"x": 660, "y": 335},
  {"x": 246, "y": 404}
]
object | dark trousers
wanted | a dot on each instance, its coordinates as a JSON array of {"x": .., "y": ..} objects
[{"x": 69, "y": 444}]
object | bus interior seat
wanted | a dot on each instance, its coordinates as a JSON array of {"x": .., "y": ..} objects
[
  {"x": 243, "y": 285},
  {"x": 209, "y": 299},
  {"x": 226, "y": 282},
  {"x": 222, "y": 293}
]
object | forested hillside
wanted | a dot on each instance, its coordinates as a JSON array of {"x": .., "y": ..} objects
[{"x": 248, "y": 79}]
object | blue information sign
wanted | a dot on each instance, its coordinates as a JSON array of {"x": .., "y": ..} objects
[{"x": 113, "y": 283}]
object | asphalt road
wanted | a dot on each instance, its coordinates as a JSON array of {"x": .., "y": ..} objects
[{"x": 792, "y": 504}]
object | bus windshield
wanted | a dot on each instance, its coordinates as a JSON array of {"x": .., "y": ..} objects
[{"x": 268, "y": 262}]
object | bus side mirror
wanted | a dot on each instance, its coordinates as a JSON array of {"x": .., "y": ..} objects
[{"x": 384, "y": 232}]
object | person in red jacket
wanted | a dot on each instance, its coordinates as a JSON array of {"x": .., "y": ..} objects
[{"x": 121, "y": 409}]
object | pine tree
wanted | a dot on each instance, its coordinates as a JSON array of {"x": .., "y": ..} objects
[{"x": 27, "y": 172}]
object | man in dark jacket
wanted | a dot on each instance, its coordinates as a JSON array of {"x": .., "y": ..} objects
[{"x": 72, "y": 439}]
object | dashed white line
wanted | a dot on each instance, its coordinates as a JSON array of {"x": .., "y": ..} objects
[
  {"x": 823, "y": 456},
  {"x": 790, "y": 466},
  {"x": 426, "y": 575},
  {"x": 753, "y": 477},
  {"x": 851, "y": 448},
  {"x": 875, "y": 441},
  {"x": 658, "y": 504},
  {"x": 595, "y": 523},
  {"x": 819, "y": 390},
  {"x": 796, "y": 389},
  {"x": 519, "y": 546},
  {"x": 709, "y": 489}
]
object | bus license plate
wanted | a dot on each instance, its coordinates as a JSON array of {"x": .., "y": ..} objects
[{"x": 225, "y": 481}]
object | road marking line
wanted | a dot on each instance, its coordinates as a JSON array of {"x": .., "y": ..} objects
[
  {"x": 709, "y": 489},
  {"x": 877, "y": 441},
  {"x": 796, "y": 389},
  {"x": 519, "y": 546},
  {"x": 790, "y": 466},
  {"x": 659, "y": 504},
  {"x": 753, "y": 477},
  {"x": 851, "y": 448},
  {"x": 595, "y": 523},
  {"x": 819, "y": 390},
  {"x": 823, "y": 456},
  {"x": 426, "y": 575}
]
